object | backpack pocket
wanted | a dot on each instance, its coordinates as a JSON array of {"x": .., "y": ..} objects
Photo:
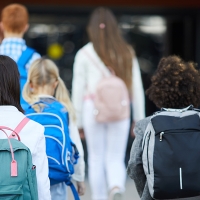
[
  {"x": 33, "y": 183},
  {"x": 11, "y": 192}
]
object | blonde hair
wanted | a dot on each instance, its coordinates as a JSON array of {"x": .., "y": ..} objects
[{"x": 44, "y": 72}]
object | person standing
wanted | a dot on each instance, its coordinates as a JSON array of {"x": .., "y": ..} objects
[
  {"x": 175, "y": 87},
  {"x": 32, "y": 135},
  {"x": 106, "y": 142},
  {"x": 45, "y": 89},
  {"x": 14, "y": 24}
]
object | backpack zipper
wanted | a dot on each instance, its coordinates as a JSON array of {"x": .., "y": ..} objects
[
  {"x": 173, "y": 132},
  {"x": 161, "y": 136}
]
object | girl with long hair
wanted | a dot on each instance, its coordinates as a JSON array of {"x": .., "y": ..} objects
[
  {"x": 45, "y": 85},
  {"x": 106, "y": 142},
  {"x": 32, "y": 135}
]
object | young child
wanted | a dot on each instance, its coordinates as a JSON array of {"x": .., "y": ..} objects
[
  {"x": 44, "y": 85},
  {"x": 14, "y": 24}
]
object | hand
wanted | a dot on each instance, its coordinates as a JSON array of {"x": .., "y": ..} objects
[
  {"x": 81, "y": 133},
  {"x": 80, "y": 188}
]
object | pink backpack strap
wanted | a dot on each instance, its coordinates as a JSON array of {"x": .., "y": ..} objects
[
  {"x": 19, "y": 127},
  {"x": 94, "y": 61}
]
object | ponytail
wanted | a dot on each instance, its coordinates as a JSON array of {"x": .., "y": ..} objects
[
  {"x": 62, "y": 95},
  {"x": 44, "y": 72}
]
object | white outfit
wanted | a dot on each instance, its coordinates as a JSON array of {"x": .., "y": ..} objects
[
  {"x": 107, "y": 142},
  {"x": 86, "y": 77},
  {"x": 32, "y": 135}
]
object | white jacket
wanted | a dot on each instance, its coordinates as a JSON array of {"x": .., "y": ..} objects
[
  {"x": 32, "y": 135},
  {"x": 86, "y": 77},
  {"x": 79, "y": 168}
]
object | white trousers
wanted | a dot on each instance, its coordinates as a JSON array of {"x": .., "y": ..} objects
[
  {"x": 59, "y": 191},
  {"x": 106, "y": 145}
]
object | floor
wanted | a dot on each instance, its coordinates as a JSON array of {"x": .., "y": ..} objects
[{"x": 130, "y": 193}]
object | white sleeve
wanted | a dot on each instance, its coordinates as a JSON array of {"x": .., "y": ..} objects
[
  {"x": 79, "y": 168},
  {"x": 79, "y": 86},
  {"x": 138, "y": 93},
  {"x": 42, "y": 169}
]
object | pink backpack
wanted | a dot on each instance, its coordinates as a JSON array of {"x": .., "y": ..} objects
[{"x": 111, "y": 99}]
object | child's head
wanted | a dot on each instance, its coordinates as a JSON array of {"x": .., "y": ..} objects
[
  {"x": 175, "y": 84},
  {"x": 14, "y": 18},
  {"x": 44, "y": 78},
  {"x": 9, "y": 83}
]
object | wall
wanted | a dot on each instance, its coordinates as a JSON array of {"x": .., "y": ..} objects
[{"x": 146, "y": 3}]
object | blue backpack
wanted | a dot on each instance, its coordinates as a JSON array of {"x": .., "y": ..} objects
[
  {"x": 21, "y": 63},
  {"x": 61, "y": 151}
]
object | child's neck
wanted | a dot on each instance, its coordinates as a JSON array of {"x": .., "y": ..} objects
[
  {"x": 45, "y": 91},
  {"x": 13, "y": 35}
]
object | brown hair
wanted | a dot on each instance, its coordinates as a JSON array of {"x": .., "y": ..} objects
[
  {"x": 14, "y": 18},
  {"x": 108, "y": 43},
  {"x": 9, "y": 83},
  {"x": 175, "y": 84}
]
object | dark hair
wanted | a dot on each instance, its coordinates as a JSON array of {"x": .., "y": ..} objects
[
  {"x": 109, "y": 44},
  {"x": 175, "y": 84},
  {"x": 9, "y": 83}
]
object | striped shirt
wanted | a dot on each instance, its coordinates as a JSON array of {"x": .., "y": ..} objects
[{"x": 13, "y": 48}]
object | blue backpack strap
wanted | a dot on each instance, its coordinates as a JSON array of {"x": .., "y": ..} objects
[
  {"x": 21, "y": 63},
  {"x": 23, "y": 60},
  {"x": 75, "y": 193}
]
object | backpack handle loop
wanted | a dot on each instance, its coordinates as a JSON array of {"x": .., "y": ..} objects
[
  {"x": 14, "y": 133},
  {"x": 13, "y": 162}
]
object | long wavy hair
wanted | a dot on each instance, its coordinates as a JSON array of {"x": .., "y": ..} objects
[{"x": 109, "y": 44}]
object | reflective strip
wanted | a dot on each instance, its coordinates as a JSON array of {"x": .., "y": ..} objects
[
  {"x": 53, "y": 159},
  {"x": 62, "y": 128},
  {"x": 181, "y": 184},
  {"x": 63, "y": 145}
]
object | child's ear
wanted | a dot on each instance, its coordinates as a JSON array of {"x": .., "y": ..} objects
[
  {"x": 31, "y": 87},
  {"x": 1, "y": 26},
  {"x": 26, "y": 28},
  {"x": 55, "y": 84}
]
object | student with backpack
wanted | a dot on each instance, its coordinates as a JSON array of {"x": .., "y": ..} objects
[
  {"x": 106, "y": 81},
  {"x": 24, "y": 142},
  {"x": 165, "y": 159},
  {"x": 50, "y": 105},
  {"x": 14, "y": 24}
]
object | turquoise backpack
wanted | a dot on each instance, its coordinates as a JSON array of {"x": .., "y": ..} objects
[{"x": 17, "y": 173}]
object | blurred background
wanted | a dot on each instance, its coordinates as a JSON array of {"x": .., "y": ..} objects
[{"x": 154, "y": 28}]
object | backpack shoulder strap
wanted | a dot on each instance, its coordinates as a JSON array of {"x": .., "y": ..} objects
[
  {"x": 19, "y": 127},
  {"x": 25, "y": 57},
  {"x": 94, "y": 61},
  {"x": 73, "y": 189}
]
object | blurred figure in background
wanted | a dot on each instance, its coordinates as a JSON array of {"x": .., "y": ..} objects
[
  {"x": 106, "y": 142},
  {"x": 14, "y": 24}
]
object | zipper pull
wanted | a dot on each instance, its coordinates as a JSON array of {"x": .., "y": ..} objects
[{"x": 161, "y": 136}]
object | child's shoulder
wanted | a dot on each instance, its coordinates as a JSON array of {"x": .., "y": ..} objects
[{"x": 58, "y": 106}]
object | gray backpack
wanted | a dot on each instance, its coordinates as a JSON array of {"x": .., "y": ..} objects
[{"x": 171, "y": 153}]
